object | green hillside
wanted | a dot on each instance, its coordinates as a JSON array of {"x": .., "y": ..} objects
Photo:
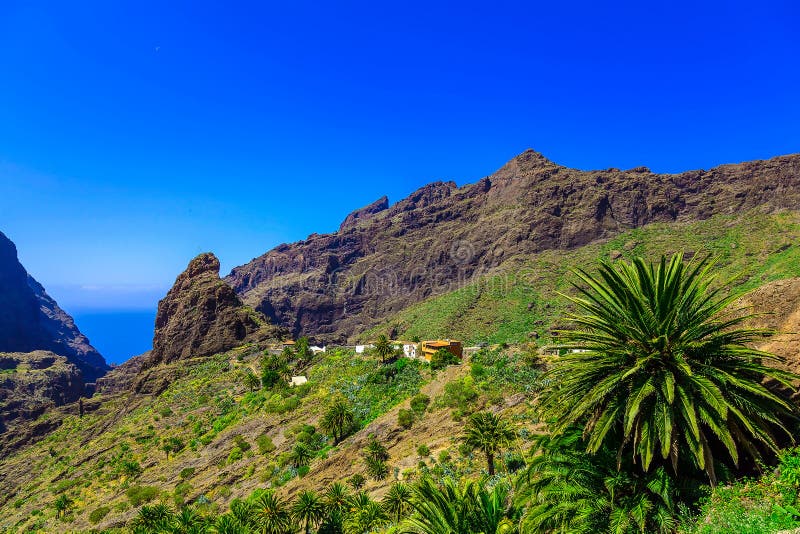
[{"x": 522, "y": 297}]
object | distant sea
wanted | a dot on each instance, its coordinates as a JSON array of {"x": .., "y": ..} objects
[{"x": 117, "y": 334}]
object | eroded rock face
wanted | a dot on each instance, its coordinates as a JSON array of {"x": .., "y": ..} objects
[
  {"x": 361, "y": 215},
  {"x": 31, "y": 320},
  {"x": 202, "y": 315},
  {"x": 30, "y": 383},
  {"x": 336, "y": 285}
]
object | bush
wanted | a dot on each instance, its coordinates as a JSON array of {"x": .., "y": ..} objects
[
  {"x": 376, "y": 468},
  {"x": 265, "y": 445},
  {"x": 138, "y": 495},
  {"x": 243, "y": 445},
  {"x": 235, "y": 455},
  {"x": 423, "y": 450},
  {"x": 444, "y": 457},
  {"x": 460, "y": 394},
  {"x": 442, "y": 358},
  {"x": 98, "y": 514},
  {"x": 187, "y": 472},
  {"x": 405, "y": 418},
  {"x": 420, "y": 402},
  {"x": 356, "y": 481}
]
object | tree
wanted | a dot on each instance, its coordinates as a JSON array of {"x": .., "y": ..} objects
[
  {"x": 153, "y": 518},
  {"x": 308, "y": 509},
  {"x": 250, "y": 380},
  {"x": 62, "y": 505},
  {"x": 442, "y": 358},
  {"x": 300, "y": 455},
  {"x": 657, "y": 369},
  {"x": 383, "y": 348},
  {"x": 458, "y": 508},
  {"x": 365, "y": 515},
  {"x": 375, "y": 456},
  {"x": 272, "y": 514},
  {"x": 336, "y": 499},
  {"x": 338, "y": 420},
  {"x": 302, "y": 351},
  {"x": 489, "y": 434},
  {"x": 564, "y": 489},
  {"x": 397, "y": 501}
]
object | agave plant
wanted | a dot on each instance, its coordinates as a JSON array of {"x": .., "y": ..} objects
[{"x": 658, "y": 369}]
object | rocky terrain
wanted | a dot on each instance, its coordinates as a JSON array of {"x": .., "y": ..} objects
[
  {"x": 31, "y": 320},
  {"x": 441, "y": 237},
  {"x": 32, "y": 382},
  {"x": 201, "y": 315}
]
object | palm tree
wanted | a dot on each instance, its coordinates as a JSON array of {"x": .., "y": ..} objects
[
  {"x": 244, "y": 512},
  {"x": 657, "y": 368},
  {"x": 153, "y": 518},
  {"x": 336, "y": 500},
  {"x": 338, "y": 420},
  {"x": 228, "y": 524},
  {"x": 456, "y": 508},
  {"x": 188, "y": 520},
  {"x": 383, "y": 348},
  {"x": 566, "y": 490},
  {"x": 364, "y": 515},
  {"x": 397, "y": 501},
  {"x": 300, "y": 455},
  {"x": 272, "y": 515},
  {"x": 250, "y": 380},
  {"x": 489, "y": 434},
  {"x": 308, "y": 509}
]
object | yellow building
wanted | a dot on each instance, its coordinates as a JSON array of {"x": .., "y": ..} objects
[{"x": 429, "y": 348}]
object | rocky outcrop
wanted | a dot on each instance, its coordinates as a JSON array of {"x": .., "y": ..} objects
[
  {"x": 202, "y": 315},
  {"x": 333, "y": 286},
  {"x": 121, "y": 377},
  {"x": 30, "y": 320},
  {"x": 362, "y": 214},
  {"x": 30, "y": 383}
]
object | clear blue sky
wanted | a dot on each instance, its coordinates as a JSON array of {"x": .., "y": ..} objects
[{"x": 134, "y": 135}]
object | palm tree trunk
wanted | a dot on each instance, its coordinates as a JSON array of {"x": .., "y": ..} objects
[{"x": 490, "y": 463}]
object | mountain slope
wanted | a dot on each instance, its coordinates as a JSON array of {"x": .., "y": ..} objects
[
  {"x": 31, "y": 320},
  {"x": 441, "y": 237}
]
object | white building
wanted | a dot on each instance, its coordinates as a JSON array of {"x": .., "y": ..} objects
[
  {"x": 361, "y": 348},
  {"x": 316, "y": 350},
  {"x": 410, "y": 350},
  {"x": 298, "y": 380}
]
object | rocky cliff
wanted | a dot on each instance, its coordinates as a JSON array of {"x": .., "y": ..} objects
[
  {"x": 32, "y": 382},
  {"x": 202, "y": 315},
  {"x": 31, "y": 320},
  {"x": 382, "y": 260}
]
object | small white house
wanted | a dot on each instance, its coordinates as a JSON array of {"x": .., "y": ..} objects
[
  {"x": 361, "y": 348},
  {"x": 316, "y": 350},
  {"x": 298, "y": 380},
  {"x": 410, "y": 350}
]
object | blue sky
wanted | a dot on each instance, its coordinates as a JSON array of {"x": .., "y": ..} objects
[{"x": 134, "y": 135}]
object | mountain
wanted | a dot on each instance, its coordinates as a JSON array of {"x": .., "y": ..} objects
[
  {"x": 31, "y": 320},
  {"x": 384, "y": 259}
]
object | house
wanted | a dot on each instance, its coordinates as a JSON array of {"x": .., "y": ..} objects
[
  {"x": 429, "y": 348},
  {"x": 316, "y": 350},
  {"x": 361, "y": 348},
  {"x": 409, "y": 348},
  {"x": 298, "y": 380}
]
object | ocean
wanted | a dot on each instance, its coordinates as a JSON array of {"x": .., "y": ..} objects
[{"x": 117, "y": 334}]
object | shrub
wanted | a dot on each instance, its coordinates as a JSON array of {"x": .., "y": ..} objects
[
  {"x": 423, "y": 450},
  {"x": 444, "y": 457},
  {"x": 138, "y": 495},
  {"x": 303, "y": 470},
  {"x": 243, "y": 445},
  {"x": 166, "y": 411},
  {"x": 405, "y": 418},
  {"x": 356, "y": 481},
  {"x": 442, "y": 358},
  {"x": 460, "y": 394},
  {"x": 376, "y": 468},
  {"x": 187, "y": 472},
  {"x": 420, "y": 402},
  {"x": 235, "y": 455},
  {"x": 172, "y": 444},
  {"x": 264, "y": 443},
  {"x": 98, "y": 514}
]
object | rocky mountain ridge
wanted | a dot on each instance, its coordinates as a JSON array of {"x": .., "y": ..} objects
[
  {"x": 385, "y": 258},
  {"x": 31, "y": 320}
]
